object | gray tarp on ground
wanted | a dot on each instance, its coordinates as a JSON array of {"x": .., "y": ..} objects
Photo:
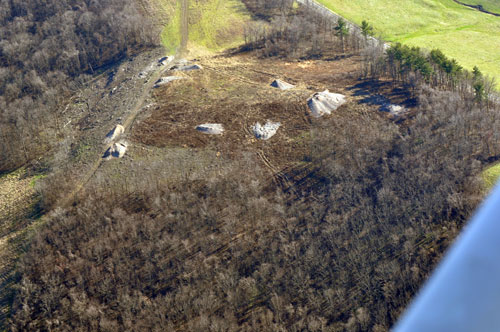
[
  {"x": 188, "y": 67},
  {"x": 282, "y": 85},
  {"x": 325, "y": 102},
  {"x": 167, "y": 79},
  {"x": 211, "y": 128}
]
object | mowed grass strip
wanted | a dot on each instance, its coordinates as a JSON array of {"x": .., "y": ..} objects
[
  {"x": 214, "y": 25},
  {"x": 465, "y": 34}
]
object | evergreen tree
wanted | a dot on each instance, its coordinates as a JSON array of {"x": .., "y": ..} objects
[
  {"x": 366, "y": 29},
  {"x": 342, "y": 30}
]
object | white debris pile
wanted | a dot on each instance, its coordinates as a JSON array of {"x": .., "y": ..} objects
[
  {"x": 117, "y": 150},
  {"x": 282, "y": 85},
  {"x": 325, "y": 102},
  {"x": 394, "y": 110},
  {"x": 266, "y": 131},
  {"x": 157, "y": 63},
  {"x": 114, "y": 133},
  {"x": 165, "y": 60},
  {"x": 166, "y": 80},
  {"x": 211, "y": 128}
]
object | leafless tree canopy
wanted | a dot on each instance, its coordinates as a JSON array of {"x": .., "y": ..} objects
[
  {"x": 44, "y": 46},
  {"x": 226, "y": 254},
  {"x": 373, "y": 213}
]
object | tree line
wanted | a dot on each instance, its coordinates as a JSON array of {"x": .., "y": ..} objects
[
  {"x": 299, "y": 32},
  {"x": 414, "y": 66},
  {"x": 292, "y": 31}
]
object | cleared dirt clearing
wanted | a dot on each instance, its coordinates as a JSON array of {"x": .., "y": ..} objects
[{"x": 235, "y": 91}]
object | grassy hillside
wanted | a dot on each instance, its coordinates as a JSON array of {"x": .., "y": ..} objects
[
  {"x": 213, "y": 24},
  {"x": 489, "y": 5},
  {"x": 491, "y": 176},
  {"x": 471, "y": 37}
]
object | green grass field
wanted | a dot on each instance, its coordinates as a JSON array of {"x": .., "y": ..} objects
[
  {"x": 214, "y": 25},
  {"x": 469, "y": 36}
]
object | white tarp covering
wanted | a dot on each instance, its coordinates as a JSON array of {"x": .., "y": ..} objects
[
  {"x": 165, "y": 60},
  {"x": 266, "y": 131},
  {"x": 188, "y": 67},
  {"x": 211, "y": 128},
  {"x": 117, "y": 150},
  {"x": 114, "y": 133},
  {"x": 282, "y": 85},
  {"x": 325, "y": 102}
]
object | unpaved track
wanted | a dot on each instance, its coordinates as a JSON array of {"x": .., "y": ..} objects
[
  {"x": 127, "y": 124},
  {"x": 184, "y": 26},
  {"x": 138, "y": 106}
]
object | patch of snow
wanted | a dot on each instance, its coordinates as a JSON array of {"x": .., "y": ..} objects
[
  {"x": 266, "y": 131},
  {"x": 211, "y": 128},
  {"x": 325, "y": 102}
]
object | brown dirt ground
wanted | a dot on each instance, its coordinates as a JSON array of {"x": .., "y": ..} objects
[{"x": 235, "y": 91}]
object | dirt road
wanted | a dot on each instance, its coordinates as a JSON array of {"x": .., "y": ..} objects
[{"x": 139, "y": 104}]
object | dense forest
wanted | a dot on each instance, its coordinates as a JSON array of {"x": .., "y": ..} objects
[
  {"x": 228, "y": 254},
  {"x": 45, "y": 46},
  {"x": 346, "y": 250}
]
